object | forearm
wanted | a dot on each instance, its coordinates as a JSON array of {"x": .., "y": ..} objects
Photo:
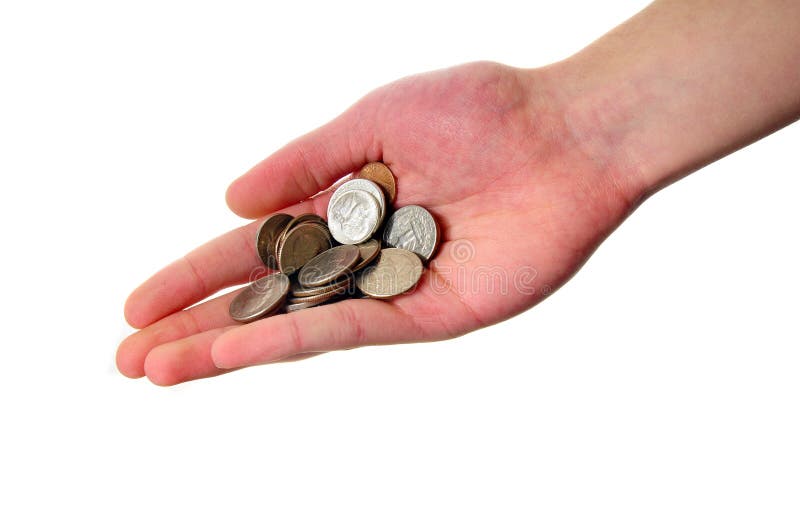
[{"x": 682, "y": 84}]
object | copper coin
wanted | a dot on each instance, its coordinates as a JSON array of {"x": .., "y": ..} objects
[
  {"x": 380, "y": 174},
  {"x": 260, "y": 298},
  {"x": 396, "y": 271},
  {"x": 307, "y": 217},
  {"x": 267, "y": 236},
  {"x": 301, "y": 219},
  {"x": 329, "y": 265},
  {"x": 301, "y": 244}
]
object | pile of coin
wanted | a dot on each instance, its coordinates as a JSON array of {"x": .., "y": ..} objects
[{"x": 319, "y": 262}]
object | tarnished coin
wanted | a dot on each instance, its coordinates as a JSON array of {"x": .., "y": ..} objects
[
  {"x": 267, "y": 237},
  {"x": 359, "y": 267},
  {"x": 305, "y": 218},
  {"x": 367, "y": 186},
  {"x": 329, "y": 265},
  {"x": 260, "y": 298},
  {"x": 396, "y": 271},
  {"x": 413, "y": 228},
  {"x": 380, "y": 174},
  {"x": 318, "y": 298},
  {"x": 304, "y": 291},
  {"x": 301, "y": 244},
  {"x": 367, "y": 251},
  {"x": 353, "y": 216},
  {"x": 299, "y": 303},
  {"x": 298, "y": 220},
  {"x": 294, "y": 307}
]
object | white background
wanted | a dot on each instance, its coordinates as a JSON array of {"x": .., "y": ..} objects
[{"x": 658, "y": 390}]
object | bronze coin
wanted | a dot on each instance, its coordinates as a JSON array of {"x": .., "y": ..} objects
[
  {"x": 267, "y": 236},
  {"x": 329, "y": 265},
  {"x": 306, "y": 218},
  {"x": 298, "y": 220},
  {"x": 380, "y": 174},
  {"x": 260, "y": 298},
  {"x": 301, "y": 244}
]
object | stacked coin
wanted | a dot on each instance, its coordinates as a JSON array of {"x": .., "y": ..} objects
[
  {"x": 312, "y": 270},
  {"x": 286, "y": 244}
]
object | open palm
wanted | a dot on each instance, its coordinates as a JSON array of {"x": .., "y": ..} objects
[{"x": 488, "y": 149}]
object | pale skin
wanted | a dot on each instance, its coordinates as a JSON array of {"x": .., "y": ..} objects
[{"x": 532, "y": 167}]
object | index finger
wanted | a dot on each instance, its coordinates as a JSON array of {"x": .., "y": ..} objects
[
  {"x": 227, "y": 260},
  {"x": 307, "y": 165}
]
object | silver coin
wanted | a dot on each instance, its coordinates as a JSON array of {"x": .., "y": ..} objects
[
  {"x": 394, "y": 272},
  {"x": 353, "y": 217},
  {"x": 368, "y": 251},
  {"x": 329, "y": 265},
  {"x": 368, "y": 186},
  {"x": 299, "y": 303},
  {"x": 318, "y": 298},
  {"x": 294, "y": 307},
  {"x": 303, "y": 291},
  {"x": 413, "y": 228},
  {"x": 260, "y": 298}
]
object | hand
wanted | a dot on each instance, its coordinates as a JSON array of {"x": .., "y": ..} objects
[{"x": 490, "y": 150}]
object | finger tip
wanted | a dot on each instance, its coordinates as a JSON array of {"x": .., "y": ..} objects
[
  {"x": 230, "y": 197},
  {"x": 221, "y": 353},
  {"x": 237, "y": 200},
  {"x": 158, "y": 367},
  {"x": 129, "y": 362},
  {"x": 135, "y": 312}
]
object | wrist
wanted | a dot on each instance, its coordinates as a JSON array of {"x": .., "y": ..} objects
[
  {"x": 598, "y": 122},
  {"x": 681, "y": 85}
]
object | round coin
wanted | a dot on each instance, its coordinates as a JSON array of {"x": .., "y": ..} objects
[
  {"x": 367, "y": 251},
  {"x": 298, "y": 220},
  {"x": 319, "y": 298},
  {"x": 302, "y": 291},
  {"x": 329, "y": 265},
  {"x": 353, "y": 216},
  {"x": 380, "y": 174},
  {"x": 306, "y": 218},
  {"x": 300, "y": 303},
  {"x": 267, "y": 236},
  {"x": 301, "y": 244},
  {"x": 260, "y": 298},
  {"x": 396, "y": 271},
  {"x": 413, "y": 228},
  {"x": 294, "y": 307},
  {"x": 367, "y": 186}
]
